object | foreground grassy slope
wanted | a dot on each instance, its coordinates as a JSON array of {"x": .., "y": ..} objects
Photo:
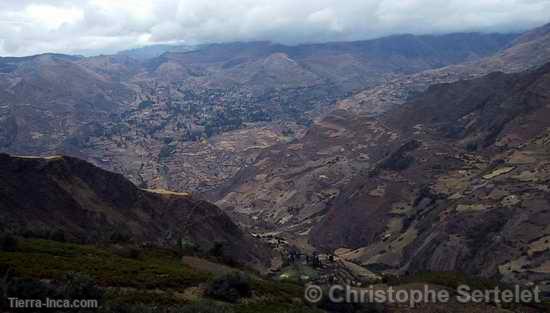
[{"x": 149, "y": 280}]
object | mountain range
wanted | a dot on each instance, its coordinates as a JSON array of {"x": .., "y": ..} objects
[
  {"x": 409, "y": 186},
  {"x": 397, "y": 156},
  {"x": 132, "y": 115}
]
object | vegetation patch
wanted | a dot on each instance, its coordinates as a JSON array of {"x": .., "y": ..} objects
[
  {"x": 132, "y": 279},
  {"x": 43, "y": 259}
]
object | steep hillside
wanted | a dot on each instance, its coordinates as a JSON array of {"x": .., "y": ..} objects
[
  {"x": 41, "y": 195},
  {"x": 463, "y": 162},
  {"x": 464, "y": 189},
  {"x": 291, "y": 186},
  {"x": 47, "y": 99}
]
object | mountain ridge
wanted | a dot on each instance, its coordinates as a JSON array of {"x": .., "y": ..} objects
[
  {"x": 132, "y": 116},
  {"x": 91, "y": 205}
]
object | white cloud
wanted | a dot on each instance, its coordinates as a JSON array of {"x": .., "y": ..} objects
[
  {"x": 50, "y": 17},
  {"x": 36, "y": 26}
]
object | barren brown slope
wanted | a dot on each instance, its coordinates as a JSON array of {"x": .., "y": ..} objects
[
  {"x": 361, "y": 182},
  {"x": 291, "y": 186},
  {"x": 40, "y": 195},
  {"x": 465, "y": 190}
]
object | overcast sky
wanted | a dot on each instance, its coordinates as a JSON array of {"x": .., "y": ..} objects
[{"x": 86, "y": 26}]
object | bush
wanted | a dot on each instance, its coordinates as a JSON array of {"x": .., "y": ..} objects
[
  {"x": 230, "y": 287},
  {"x": 127, "y": 252},
  {"x": 58, "y": 235},
  {"x": 26, "y": 288},
  {"x": 186, "y": 247},
  {"x": 80, "y": 286},
  {"x": 119, "y": 236},
  {"x": 8, "y": 243},
  {"x": 217, "y": 250}
]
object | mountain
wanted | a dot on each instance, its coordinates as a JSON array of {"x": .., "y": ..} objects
[
  {"x": 134, "y": 115},
  {"x": 290, "y": 186},
  {"x": 529, "y": 50},
  {"x": 464, "y": 188},
  {"x": 90, "y": 205},
  {"x": 345, "y": 65},
  {"x": 47, "y": 98},
  {"x": 454, "y": 180},
  {"x": 437, "y": 164},
  {"x": 153, "y": 51}
]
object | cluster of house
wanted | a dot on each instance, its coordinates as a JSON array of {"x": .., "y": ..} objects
[{"x": 314, "y": 260}]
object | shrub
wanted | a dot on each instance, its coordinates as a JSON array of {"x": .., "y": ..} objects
[
  {"x": 80, "y": 286},
  {"x": 230, "y": 287},
  {"x": 119, "y": 236},
  {"x": 217, "y": 250},
  {"x": 8, "y": 243},
  {"x": 186, "y": 247},
  {"x": 58, "y": 235},
  {"x": 127, "y": 252},
  {"x": 25, "y": 288}
]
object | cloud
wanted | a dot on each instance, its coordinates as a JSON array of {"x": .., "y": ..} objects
[{"x": 65, "y": 26}]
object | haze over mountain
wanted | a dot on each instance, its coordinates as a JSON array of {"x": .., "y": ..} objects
[
  {"x": 104, "y": 27},
  {"x": 529, "y": 50}
]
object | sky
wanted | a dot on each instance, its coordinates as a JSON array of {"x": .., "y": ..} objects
[{"x": 105, "y": 26}]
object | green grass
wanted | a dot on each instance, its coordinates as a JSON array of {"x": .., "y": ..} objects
[
  {"x": 142, "y": 297},
  {"x": 48, "y": 259},
  {"x": 277, "y": 291},
  {"x": 153, "y": 278}
]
